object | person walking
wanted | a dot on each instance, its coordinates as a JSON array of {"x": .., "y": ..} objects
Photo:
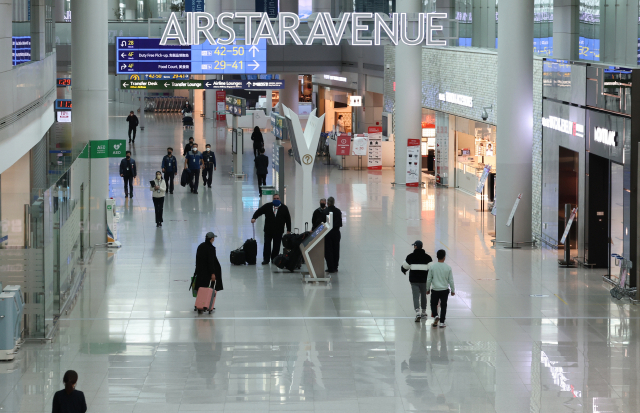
[
  {"x": 170, "y": 169},
  {"x": 332, "y": 240},
  {"x": 187, "y": 147},
  {"x": 262, "y": 169},
  {"x": 133, "y": 124},
  {"x": 158, "y": 189},
  {"x": 416, "y": 263},
  {"x": 209, "y": 163},
  {"x": 276, "y": 216},
  {"x": 439, "y": 280},
  {"x": 208, "y": 269},
  {"x": 69, "y": 400},
  {"x": 128, "y": 171},
  {"x": 319, "y": 215},
  {"x": 258, "y": 141},
  {"x": 194, "y": 163}
]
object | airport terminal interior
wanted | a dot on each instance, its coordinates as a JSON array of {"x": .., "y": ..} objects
[{"x": 517, "y": 164}]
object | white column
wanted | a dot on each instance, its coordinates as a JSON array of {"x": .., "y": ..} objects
[
  {"x": 269, "y": 104},
  {"x": 38, "y": 50},
  {"x": 58, "y": 11},
  {"x": 89, "y": 61},
  {"x": 321, "y": 6},
  {"x": 407, "y": 111},
  {"x": 565, "y": 29},
  {"x": 6, "y": 17},
  {"x": 515, "y": 118},
  {"x": 359, "y": 111}
]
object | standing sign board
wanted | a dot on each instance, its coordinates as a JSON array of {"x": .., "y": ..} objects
[
  {"x": 375, "y": 147},
  {"x": 343, "y": 146},
  {"x": 513, "y": 210},
  {"x": 483, "y": 178},
  {"x": 221, "y": 98},
  {"x": 566, "y": 230},
  {"x": 413, "y": 167},
  {"x": 360, "y": 144}
]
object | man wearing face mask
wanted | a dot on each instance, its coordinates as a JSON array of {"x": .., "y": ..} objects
[
  {"x": 170, "y": 169},
  {"x": 332, "y": 240},
  {"x": 187, "y": 147},
  {"x": 128, "y": 172},
  {"x": 276, "y": 216},
  {"x": 194, "y": 163},
  {"x": 319, "y": 215},
  {"x": 158, "y": 189},
  {"x": 133, "y": 124},
  {"x": 209, "y": 161}
]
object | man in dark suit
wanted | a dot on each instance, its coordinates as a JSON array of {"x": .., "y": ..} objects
[
  {"x": 332, "y": 240},
  {"x": 262, "y": 169},
  {"x": 319, "y": 215},
  {"x": 276, "y": 216},
  {"x": 128, "y": 171}
]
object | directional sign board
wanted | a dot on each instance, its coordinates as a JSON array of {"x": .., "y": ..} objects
[
  {"x": 142, "y": 55},
  {"x": 202, "y": 84}
]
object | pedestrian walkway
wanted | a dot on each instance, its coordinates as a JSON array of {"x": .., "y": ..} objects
[{"x": 522, "y": 335}]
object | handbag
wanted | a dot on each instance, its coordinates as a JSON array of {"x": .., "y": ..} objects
[{"x": 192, "y": 286}]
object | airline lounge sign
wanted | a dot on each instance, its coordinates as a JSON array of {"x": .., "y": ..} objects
[{"x": 395, "y": 27}]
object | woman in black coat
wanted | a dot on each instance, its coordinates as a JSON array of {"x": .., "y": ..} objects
[
  {"x": 207, "y": 265},
  {"x": 258, "y": 141}
]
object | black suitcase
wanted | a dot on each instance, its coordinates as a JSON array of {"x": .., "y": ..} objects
[
  {"x": 187, "y": 121},
  {"x": 250, "y": 248},
  {"x": 281, "y": 261},
  {"x": 185, "y": 178},
  {"x": 237, "y": 257}
]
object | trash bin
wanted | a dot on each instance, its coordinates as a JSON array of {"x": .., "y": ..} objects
[
  {"x": 20, "y": 309},
  {"x": 8, "y": 316}
]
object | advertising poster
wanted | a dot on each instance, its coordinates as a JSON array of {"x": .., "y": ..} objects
[
  {"x": 221, "y": 97},
  {"x": 343, "y": 144},
  {"x": 375, "y": 147},
  {"x": 360, "y": 144},
  {"x": 442, "y": 148},
  {"x": 413, "y": 162},
  {"x": 63, "y": 116},
  {"x": 513, "y": 210},
  {"x": 566, "y": 230}
]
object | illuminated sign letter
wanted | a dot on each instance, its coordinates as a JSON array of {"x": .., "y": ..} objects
[
  {"x": 404, "y": 24},
  {"x": 270, "y": 35},
  {"x": 319, "y": 24},
  {"x": 206, "y": 29},
  {"x": 226, "y": 28},
  {"x": 356, "y": 28},
  {"x": 172, "y": 24},
  {"x": 283, "y": 29},
  {"x": 380, "y": 25},
  {"x": 432, "y": 28},
  {"x": 247, "y": 16},
  {"x": 336, "y": 35}
]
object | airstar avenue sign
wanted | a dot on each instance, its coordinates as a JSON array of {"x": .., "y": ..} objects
[{"x": 409, "y": 29}]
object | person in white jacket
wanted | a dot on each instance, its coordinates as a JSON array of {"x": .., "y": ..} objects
[
  {"x": 157, "y": 194},
  {"x": 441, "y": 279}
]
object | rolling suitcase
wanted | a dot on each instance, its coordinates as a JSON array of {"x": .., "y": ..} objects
[
  {"x": 185, "y": 178},
  {"x": 250, "y": 249},
  {"x": 238, "y": 257},
  {"x": 206, "y": 298},
  {"x": 281, "y": 261}
]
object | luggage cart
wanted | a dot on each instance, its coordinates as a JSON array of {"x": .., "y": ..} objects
[{"x": 619, "y": 290}]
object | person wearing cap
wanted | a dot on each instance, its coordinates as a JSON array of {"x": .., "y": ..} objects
[
  {"x": 208, "y": 269},
  {"x": 417, "y": 264},
  {"x": 439, "y": 281}
]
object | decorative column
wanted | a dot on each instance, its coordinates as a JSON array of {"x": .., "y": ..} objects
[
  {"x": 38, "y": 47},
  {"x": 408, "y": 108},
  {"x": 515, "y": 118},
  {"x": 89, "y": 62},
  {"x": 565, "y": 29},
  {"x": 321, "y": 6},
  {"x": 290, "y": 95}
]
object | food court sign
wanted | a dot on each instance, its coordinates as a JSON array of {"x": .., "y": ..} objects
[{"x": 362, "y": 29}]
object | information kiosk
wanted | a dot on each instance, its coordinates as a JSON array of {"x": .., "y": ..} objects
[{"x": 313, "y": 253}]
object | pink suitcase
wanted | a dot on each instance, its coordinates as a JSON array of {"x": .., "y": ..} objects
[{"x": 206, "y": 298}]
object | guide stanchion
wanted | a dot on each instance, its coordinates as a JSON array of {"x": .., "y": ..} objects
[
  {"x": 513, "y": 246},
  {"x": 342, "y": 167}
]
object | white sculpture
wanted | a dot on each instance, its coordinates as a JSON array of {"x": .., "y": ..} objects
[{"x": 307, "y": 143}]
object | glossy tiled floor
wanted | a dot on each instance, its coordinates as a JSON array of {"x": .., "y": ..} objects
[{"x": 275, "y": 343}]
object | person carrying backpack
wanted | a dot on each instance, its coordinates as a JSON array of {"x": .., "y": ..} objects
[{"x": 417, "y": 264}]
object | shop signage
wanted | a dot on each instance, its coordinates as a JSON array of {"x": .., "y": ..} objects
[
  {"x": 355, "y": 101},
  {"x": 413, "y": 167},
  {"x": 202, "y": 84},
  {"x": 343, "y": 144},
  {"x": 563, "y": 125},
  {"x": 360, "y": 144},
  {"x": 221, "y": 99},
  {"x": 457, "y": 99},
  {"x": 63, "y": 116},
  {"x": 375, "y": 147},
  {"x": 605, "y": 136},
  {"x": 394, "y": 26},
  {"x": 513, "y": 210},
  {"x": 336, "y": 78},
  {"x": 112, "y": 148},
  {"x": 483, "y": 178}
]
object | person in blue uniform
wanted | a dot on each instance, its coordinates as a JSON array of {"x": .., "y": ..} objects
[
  {"x": 209, "y": 163},
  {"x": 128, "y": 172},
  {"x": 194, "y": 163},
  {"x": 169, "y": 169}
]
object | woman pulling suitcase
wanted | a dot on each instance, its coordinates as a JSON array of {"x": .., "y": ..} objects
[{"x": 208, "y": 277}]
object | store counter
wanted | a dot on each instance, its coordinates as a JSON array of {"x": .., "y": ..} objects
[{"x": 468, "y": 176}]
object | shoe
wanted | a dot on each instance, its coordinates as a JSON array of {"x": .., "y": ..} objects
[
  {"x": 191, "y": 190},
  {"x": 435, "y": 322},
  {"x": 265, "y": 262},
  {"x": 131, "y": 196},
  {"x": 209, "y": 186},
  {"x": 424, "y": 314},
  {"x": 126, "y": 195},
  {"x": 160, "y": 224},
  {"x": 260, "y": 196},
  {"x": 417, "y": 315},
  {"x": 157, "y": 225},
  {"x": 195, "y": 192},
  {"x": 442, "y": 325},
  {"x": 170, "y": 193}
]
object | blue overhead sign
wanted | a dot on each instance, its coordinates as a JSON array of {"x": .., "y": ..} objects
[
  {"x": 142, "y": 55},
  {"x": 20, "y": 49},
  {"x": 194, "y": 5}
]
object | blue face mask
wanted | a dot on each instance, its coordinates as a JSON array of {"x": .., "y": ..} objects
[{"x": 276, "y": 203}]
